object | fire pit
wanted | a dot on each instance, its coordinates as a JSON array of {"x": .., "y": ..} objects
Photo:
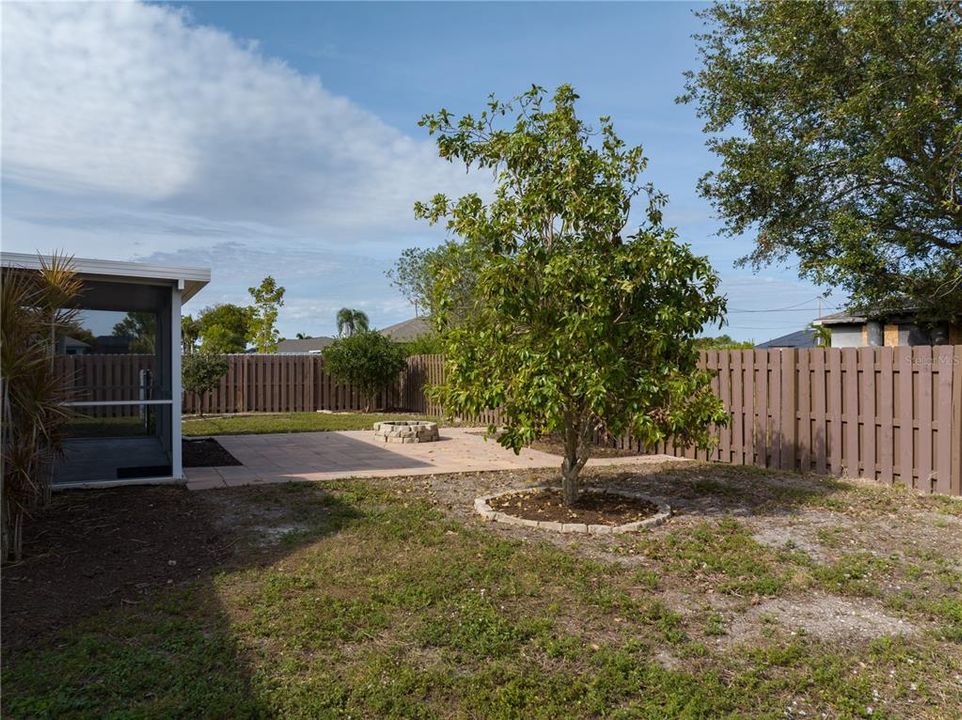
[{"x": 406, "y": 431}]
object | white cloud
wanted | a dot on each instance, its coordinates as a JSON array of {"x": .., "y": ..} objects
[
  {"x": 133, "y": 101},
  {"x": 132, "y": 133}
]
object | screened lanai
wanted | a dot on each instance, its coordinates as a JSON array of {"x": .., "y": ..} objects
[{"x": 121, "y": 365}]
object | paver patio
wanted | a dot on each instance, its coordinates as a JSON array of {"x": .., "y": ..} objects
[{"x": 285, "y": 457}]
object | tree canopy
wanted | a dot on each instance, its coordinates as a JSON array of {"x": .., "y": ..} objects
[
  {"x": 367, "y": 360},
  {"x": 141, "y": 328},
  {"x": 202, "y": 372},
  {"x": 839, "y": 130},
  {"x": 575, "y": 326},
  {"x": 224, "y": 328},
  {"x": 268, "y": 298},
  {"x": 415, "y": 271}
]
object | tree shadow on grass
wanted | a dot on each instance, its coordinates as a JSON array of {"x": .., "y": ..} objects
[{"x": 117, "y": 608}]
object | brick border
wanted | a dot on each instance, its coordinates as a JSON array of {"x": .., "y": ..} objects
[{"x": 482, "y": 507}]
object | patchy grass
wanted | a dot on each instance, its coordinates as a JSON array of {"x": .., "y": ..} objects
[
  {"x": 387, "y": 598},
  {"x": 287, "y": 422}
]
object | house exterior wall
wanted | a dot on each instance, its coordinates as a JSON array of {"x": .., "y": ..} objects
[{"x": 847, "y": 336}]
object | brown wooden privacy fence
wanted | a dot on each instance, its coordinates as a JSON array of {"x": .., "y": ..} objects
[
  {"x": 91, "y": 378},
  {"x": 890, "y": 414},
  {"x": 286, "y": 383}
]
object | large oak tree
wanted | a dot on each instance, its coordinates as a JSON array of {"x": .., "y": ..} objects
[{"x": 839, "y": 130}]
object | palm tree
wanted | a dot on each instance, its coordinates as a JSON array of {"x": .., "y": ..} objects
[
  {"x": 34, "y": 309},
  {"x": 350, "y": 322}
]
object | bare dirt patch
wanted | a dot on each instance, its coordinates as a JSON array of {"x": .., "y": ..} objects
[
  {"x": 92, "y": 550},
  {"x": 592, "y": 508},
  {"x": 827, "y": 617}
]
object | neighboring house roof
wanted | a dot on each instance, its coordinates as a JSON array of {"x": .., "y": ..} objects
[
  {"x": 801, "y": 339},
  {"x": 857, "y": 317},
  {"x": 845, "y": 317},
  {"x": 72, "y": 342},
  {"x": 408, "y": 330},
  {"x": 303, "y": 345}
]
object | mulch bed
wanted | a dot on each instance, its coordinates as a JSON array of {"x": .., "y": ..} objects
[
  {"x": 91, "y": 550},
  {"x": 593, "y": 508},
  {"x": 206, "y": 452}
]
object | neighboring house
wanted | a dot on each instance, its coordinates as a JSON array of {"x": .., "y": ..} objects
[
  {"x": 409, "y": 330},
  {"x": 67, "y": 345},
  {"x": 801, "y": 339},
  {"x": 112, "y": 345},
  {"x": 302, "y": 346},
  {"x": 874, "y": 329}
]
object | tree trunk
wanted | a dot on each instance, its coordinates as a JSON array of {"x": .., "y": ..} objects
[{"x": 575, "y": 457}]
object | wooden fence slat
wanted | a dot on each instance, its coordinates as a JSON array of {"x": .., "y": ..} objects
[
  {"x": 943, "y": 359},
  {"x": 866, "y": 390},
  {"x": 804, "y": 412},
  {"x": 956, "y": 433},
  {"x": 923, "y": 459},
  {"x": 762, "y": 405},
  {"x": 748, "y": 362},
  {"x": 850, "y": 406},
  {"x": 789, "y": 408},
  {"x": 906, "y": 415},
  {"x": 886, "y": 414},
  {"x": 835, "y": 409},
  {"x": 724, "y": 389},
  {"x": 738, "y": 410},
  {"x": 820, "y": 422}
]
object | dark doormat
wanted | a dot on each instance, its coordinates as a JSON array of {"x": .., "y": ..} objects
[
  {"x": 206, "y": 452},
  {"x": 144, "y": 471}
]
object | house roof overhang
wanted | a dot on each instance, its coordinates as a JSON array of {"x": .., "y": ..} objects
[{"x": 189, "y": 280}]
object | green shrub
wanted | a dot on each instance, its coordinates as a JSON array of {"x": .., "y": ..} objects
[
  {"x": 367, "y": 360},
  {"x": 202, "y": 372}
]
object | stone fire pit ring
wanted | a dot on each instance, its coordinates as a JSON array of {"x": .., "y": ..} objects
[
  {"x": 406, "y": 431},
  {"x": 482, "y": 507}
]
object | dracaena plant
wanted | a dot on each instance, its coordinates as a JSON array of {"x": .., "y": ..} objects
[{"x": 34, "y": 309}]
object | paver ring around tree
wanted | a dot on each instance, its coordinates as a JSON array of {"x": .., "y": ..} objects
[
  {"x": 406, "y": 431},
  {"x": 661, "y": 511}
]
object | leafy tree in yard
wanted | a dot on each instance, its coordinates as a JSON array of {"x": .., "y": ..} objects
[
  {"x": 225, "y": 328},
  {"x": 268, "y": 298},
  {"x": 351, "y": 322},
  {"x": 415, "y": 271},
  {"x": 722, "y": 342},
  {"x": 367, "y": 360},
  {"x": 201, "y": 373},
  {"x": 575, "y": 327},
  {"x": 189, "y": 333},
  {"x": 839, "y": 129},
  {"x": 141, "y": 328}
]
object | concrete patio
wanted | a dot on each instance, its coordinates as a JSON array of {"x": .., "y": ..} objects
[{"x": 286, "y": 457}]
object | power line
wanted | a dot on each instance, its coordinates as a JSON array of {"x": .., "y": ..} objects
[
  {"x": 810, "y": 309},
  {"x": 787, "y": 307}
]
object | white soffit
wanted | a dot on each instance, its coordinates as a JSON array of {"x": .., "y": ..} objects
[{"x": 189, "y": 279}]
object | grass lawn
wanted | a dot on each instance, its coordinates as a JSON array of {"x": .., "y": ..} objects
[
  {"x": 287, "y": 422},
  {"x": 767, "y": 596}
]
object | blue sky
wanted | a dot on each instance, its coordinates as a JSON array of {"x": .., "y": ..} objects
[{"x": 282, "y": 138}]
